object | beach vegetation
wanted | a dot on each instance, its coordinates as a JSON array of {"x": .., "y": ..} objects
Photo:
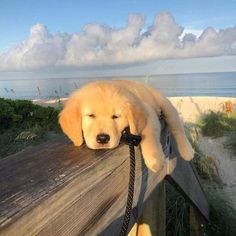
[
  {"x": 23, "y": 123},
  {"x": 231, "y": 143},
  {"x": 217, "y": 124},
  {"x": 222, "y": 213}
]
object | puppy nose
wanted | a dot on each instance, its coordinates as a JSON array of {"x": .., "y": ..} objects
[{"x": 103, "y": 138}]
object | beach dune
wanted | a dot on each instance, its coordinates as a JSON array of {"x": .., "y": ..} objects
[{"x": 192, "y": 108}]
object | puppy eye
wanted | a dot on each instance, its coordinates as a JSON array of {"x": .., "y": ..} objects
[
  {"x": 91, "y": 115},
  {"x": 115, "y": 117}
]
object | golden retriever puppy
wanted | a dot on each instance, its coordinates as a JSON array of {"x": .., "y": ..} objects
[{"x": 100, "y": 111}]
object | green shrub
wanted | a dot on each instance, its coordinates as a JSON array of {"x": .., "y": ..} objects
[
  {"x": 23, "y": 123},
  {"x": 25, "y": 114},
  {"x": 217, "y": 124}
]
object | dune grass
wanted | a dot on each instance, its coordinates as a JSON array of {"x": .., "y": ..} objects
[
  {"x": 177, "y": 213},
  {"x": 23, "y": 123},
  {"x": 222, "y": 213},
  {"x": 217, "y": 124},
  {"x": 205, "y": 165},
  {"x": 231, "y": 143}
]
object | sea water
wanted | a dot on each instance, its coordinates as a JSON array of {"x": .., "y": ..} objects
[{"x": 204, "y": 84}]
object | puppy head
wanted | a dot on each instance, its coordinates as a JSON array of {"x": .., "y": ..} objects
[{"x": 101, "y": 111}]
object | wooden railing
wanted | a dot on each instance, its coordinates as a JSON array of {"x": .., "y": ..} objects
[{"x": 58, "y": 189}]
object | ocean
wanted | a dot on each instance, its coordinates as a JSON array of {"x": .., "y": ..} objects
[{"x": 204, "y": 84}]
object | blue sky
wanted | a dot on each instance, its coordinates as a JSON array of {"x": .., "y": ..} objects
[{"x": 18, "y": 17}]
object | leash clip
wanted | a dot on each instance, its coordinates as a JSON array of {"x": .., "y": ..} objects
[{"x": 129, "y": 138}]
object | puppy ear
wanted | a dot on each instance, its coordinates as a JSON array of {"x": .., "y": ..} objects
[
  {"x": 136, "y": 116},
  {"x": 70, "y": 121}
]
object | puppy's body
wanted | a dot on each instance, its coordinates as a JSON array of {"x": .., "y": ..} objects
[{"x": 102, "y": 110}]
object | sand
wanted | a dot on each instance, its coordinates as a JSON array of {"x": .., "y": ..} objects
[
  {"x": 192, "y": 108},
  {"x": 49, "y": 102}
]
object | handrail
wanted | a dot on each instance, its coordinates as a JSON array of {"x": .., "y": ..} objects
[{"x": 58, "y": 189}]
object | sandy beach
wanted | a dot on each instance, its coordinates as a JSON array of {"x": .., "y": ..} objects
[{"x": 191, "y": 108}]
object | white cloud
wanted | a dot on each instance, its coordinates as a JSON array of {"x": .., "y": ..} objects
[
  {"x": 98, "y": 44},
  {"x": 195, "y": 32}
]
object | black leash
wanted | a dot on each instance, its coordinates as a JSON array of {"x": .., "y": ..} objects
[{"x": 131, "y": 140}]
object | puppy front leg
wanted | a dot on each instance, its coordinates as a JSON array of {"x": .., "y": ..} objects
[
  {"x": 177, "y": 129},
  {"x": 150, "y": 145}
]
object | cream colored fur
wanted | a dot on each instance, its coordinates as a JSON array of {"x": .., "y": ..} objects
[{"x": 110, "y": 106}]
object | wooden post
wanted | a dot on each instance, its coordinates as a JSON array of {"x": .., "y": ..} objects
[
  {"x": 196, "y": 222},
  {"x": 153, "y": 219}
]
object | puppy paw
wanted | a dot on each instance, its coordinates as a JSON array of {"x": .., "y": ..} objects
[
  {"x": 155, "y": 162},
  {"x": 156, "y": 167},
  {"x": 187, "y": 153}
]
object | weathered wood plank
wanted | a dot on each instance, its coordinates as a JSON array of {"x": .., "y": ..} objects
[
  {"x": 196, "y": 222},
  {"x": 181, "y": 174},
  {"x": 153, "y": 219}
]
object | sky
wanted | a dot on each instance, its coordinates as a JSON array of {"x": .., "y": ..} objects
[{"x": 73, "y": 38}]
